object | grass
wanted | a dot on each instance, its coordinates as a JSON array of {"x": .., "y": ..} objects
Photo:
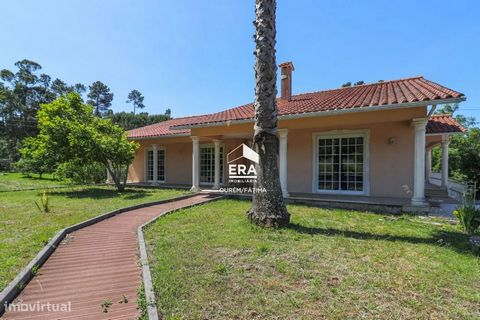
[
  {"x": 24, "y": 230},
  {"x": 208, "y": 262},
  {"x": 11, "y": 181}
]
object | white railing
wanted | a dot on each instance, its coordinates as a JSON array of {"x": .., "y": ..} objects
[{"x": 456, "y": 189}]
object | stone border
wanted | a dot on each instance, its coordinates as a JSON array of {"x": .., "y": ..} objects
[
  {"x": 16, "y": 286},
  {"x": 152, "y": 311}
]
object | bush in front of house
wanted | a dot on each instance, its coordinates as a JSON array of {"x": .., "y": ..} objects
[
  {"x": 469, "y": 218},
  {"x": 81, "y": 172}
]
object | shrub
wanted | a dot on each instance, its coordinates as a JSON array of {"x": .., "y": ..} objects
[
  {"x": 45, "y": 203},
  {"x": 469, "y": 218},
  {"x": 83, "y": 173}
]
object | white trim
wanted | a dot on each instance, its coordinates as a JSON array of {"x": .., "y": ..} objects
[
  {"x": 195, "y": 163},
  {"x": 328, "y": 113},
  {"x": 216, "y": 166},
  {"x": 173, "y": 135},
  {"x": 145, "y": 164},
  {"x": 419, "y": 125},
  {"x": 342, "y": 133},
  {"x": 283, "y": 159},
  {"x": 442, "y": 134}
]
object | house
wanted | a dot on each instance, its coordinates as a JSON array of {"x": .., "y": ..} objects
[{"x": 367, "y": 143}]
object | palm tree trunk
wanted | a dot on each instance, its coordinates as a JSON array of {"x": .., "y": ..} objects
[{"x": 268, "y": 208}]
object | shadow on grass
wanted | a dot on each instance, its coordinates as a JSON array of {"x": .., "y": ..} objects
[
  {"x": 102, "y": 193},
  {"x": 454, "y": 240},
  {"x": 37, "y": 178}
]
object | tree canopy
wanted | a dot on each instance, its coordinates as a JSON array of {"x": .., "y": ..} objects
[
  {"x": 70, "y": 132},
  {"x": 100, "y": 97},
  {"x": 136, "y": 98},
  {"x": 128, "y": 120},
  {"x": 464, "y": 149},
  {"x": 24, "y": 89},
  {"x": 21, "y": 94}
]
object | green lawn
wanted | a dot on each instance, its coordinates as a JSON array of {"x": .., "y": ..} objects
[
  {"x": 24, "y": 230},
  {"x": 208, "y": 262},
  {"x": 16, "y": 181}
]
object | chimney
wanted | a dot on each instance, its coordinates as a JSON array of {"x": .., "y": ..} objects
[{"x": 286, "y": 69}]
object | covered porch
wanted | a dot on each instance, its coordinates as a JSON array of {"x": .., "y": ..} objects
[{"x": 376, "y": 160}]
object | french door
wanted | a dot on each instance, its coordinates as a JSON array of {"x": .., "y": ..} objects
[
  {"x": 341, "y": 166},
  {"x": 160, "y": 165},
  {"x": 207, "y": 164}
]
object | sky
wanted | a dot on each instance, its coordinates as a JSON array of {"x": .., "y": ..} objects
[{"x": 196, "y": 57}]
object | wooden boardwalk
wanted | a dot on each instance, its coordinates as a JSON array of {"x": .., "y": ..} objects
[{"x": 94, "y": 265}]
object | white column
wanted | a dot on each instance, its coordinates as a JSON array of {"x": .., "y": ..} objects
[
  {"x": 195, "y": 164},
  {"x": 283, "y": 134},
  {"x": 445, "y": 143},
  {"x": 428, "y": 164},
  {"x": 418, "y": 198},
  {"x": 216, "y": 184},
  {"x": 155, "y": 163}
]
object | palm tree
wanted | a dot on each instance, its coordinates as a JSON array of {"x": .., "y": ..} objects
[{"x": 268, "y": 208}]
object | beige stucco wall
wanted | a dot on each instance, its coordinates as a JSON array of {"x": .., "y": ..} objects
[
  {"x": 178, "y": 153},
  {"x": 390, "y": 165},
  {"x": 178, "y": 165},
  {"x": 433, "y": 140}
]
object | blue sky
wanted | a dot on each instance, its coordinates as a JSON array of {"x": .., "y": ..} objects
[{"x": 196, "y": 56}]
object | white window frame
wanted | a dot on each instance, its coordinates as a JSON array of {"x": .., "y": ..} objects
[
  {"x": 145, "y": 164},
  {"x": 222, "y": 177},
  {"x": 365, "y": 133}
]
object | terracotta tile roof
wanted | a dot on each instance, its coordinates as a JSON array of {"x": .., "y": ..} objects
[
  {"x": 402, "y": 91},
  {"x": 160, "y": 129},
  {"x": 443, "y": 123},
  {"x": 384, "y": 93}
]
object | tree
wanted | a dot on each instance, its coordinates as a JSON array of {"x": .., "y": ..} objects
[
  {"x": 464, "y": 149},
  {"x": 72, "y": 132},
  {"x": 451, "y": 109},
  {"x": 268, "y": 208},
  {"x": 100, "y": 97},
  {"x": 21, "y": 94},
  {"x": 128, "y": 120},
  {"x": 136, "y": 98},
  {"x": 60, "y": 88},
  {"x": 36, "y": 157},
  {"x": 78, "y": 171}
]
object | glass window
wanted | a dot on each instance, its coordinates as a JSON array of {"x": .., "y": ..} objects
[
  {"x": 150, "y": 165},
  {"x": 207, "y": 164},
  {"x": 160, "y": 165},
  {"x": 340, "y": 164}
]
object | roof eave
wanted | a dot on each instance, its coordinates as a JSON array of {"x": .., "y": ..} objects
[
  {"x": 160, "y": 136},
  {"x": 449, "y": 133},
  {"x": 328, "y": 113}
]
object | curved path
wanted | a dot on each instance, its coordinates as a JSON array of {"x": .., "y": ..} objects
[{"x": 93, "y": 265}]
